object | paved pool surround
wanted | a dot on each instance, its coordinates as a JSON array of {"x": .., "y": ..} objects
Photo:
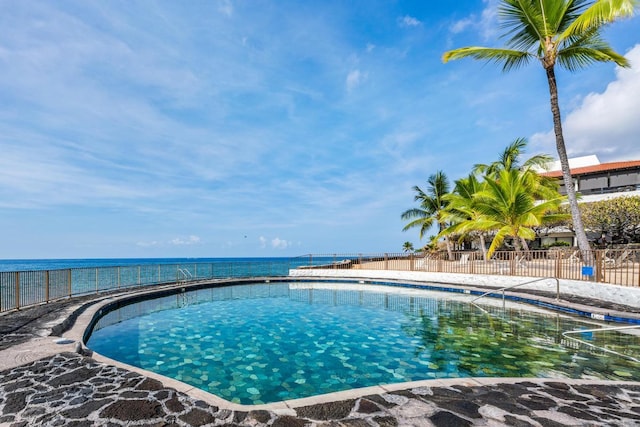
[{"x": 43, "y": 376}]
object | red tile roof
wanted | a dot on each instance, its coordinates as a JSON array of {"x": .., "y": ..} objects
[{"x": 603, "y": 167}]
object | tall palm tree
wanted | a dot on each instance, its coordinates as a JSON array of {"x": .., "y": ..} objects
[
  {"x": 508, "y": 207},
  {"x": 555, "y": 32},
  {"x": 432, "y": 205}
]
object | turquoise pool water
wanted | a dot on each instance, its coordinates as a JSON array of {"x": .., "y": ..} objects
[{"x": 262, "y": 343}]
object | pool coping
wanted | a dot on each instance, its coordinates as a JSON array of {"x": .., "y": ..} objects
[{"x": 84, "y": 321}]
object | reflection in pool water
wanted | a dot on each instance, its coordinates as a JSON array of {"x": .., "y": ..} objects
[{"x": 262, "y": 343}]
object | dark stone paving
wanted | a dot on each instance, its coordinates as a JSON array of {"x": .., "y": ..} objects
[{"x": 72, "y": 390}]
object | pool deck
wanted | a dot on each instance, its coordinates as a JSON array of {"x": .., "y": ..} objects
[{"x": 44, "y": 381}]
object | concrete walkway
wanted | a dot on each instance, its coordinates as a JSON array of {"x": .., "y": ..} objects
[{"x": 43, "y": 382}]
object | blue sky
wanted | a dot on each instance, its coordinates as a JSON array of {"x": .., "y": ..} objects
[{"x": 265, "y": 128}]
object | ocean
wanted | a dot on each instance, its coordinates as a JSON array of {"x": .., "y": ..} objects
[
  {"x": 33, "y": 281},
  {"x": 61, "y": 264}
]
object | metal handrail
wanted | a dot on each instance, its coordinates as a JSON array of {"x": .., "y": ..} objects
[
  {"x": 520, "y": 284},
  {"x": 185, "y": 273},
  {"x": 606, "y": 350}
]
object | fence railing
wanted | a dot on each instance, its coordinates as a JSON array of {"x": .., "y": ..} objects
[
  {"x": 25, "y": 288},
  {"x": 616, "y": 266}
]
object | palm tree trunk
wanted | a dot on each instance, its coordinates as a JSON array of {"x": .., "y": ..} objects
[
  {"x": 581, "y": 236},
  {"x": 449, "y": 251},
  {"x": 525, "y": 247},
  {"x": 483, "y": 246}
]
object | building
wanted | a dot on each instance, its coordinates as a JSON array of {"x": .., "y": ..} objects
[
  {"x": 596, "y": 181},
  {"x": 593, "y": 181}
]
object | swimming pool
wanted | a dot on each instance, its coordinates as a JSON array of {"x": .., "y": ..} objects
[{"x": 266, "y": 342}]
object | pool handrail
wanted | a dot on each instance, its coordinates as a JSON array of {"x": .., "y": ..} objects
[
  {"x": 520, "y": 284},
  {"x": 186, "y": 275},
  {"x": 606, "y": 350}
]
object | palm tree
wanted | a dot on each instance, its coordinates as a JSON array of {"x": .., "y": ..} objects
[
  {"x": 509, "y": 159},
  {"x": 544, "y": 187},
  {"x": 508, "y": 207},
  {"x": 555, "y": 32},
  {"x": 461, "y": 212},
  {"x": 432, "y": 205},
  {"x": 407, "y": 247}
]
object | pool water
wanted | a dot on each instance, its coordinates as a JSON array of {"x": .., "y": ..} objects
[{"x": 262, "y": 343}]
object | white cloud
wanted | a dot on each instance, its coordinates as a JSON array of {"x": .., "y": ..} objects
[
  {"x": 225, "y": 7},
  {"x": 486, "y": 24},
  {"x": 278, "y": 243},
  {"x": 605, "y": 123},
  {"x": 409, "y": 21},
  {"x": 191, "y": 240},
  {"x": 370, "y": 47},
  {"x": 461, "y": 25},
  {"x": 489, "y": 19},
  {"x": 147, "y": 244},
  {"x": 354, "y": 79}
]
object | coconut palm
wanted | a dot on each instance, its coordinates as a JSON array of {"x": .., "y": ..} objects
[
  {"x": 510, "y": 159},
  {"x": 407, "y": 247},
  {"x": 555, "y": 32},
  {"x": 432, "y": 205},
  {"x": 508, "y": 207},
  {"x": 461, "y": 212},
  {"x": 544, "y": 187}
]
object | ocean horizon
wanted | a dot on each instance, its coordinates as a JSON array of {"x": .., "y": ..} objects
[{"x": 10, "y": 265}]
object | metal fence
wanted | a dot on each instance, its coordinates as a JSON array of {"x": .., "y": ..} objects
[
  {"x": 25, "y": 288},
  {"x": 616, "y": 266}
]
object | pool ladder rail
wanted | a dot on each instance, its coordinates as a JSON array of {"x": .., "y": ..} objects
[
  {"x": 184, "y": 275},
  {"x": 506, "y": 288},
  {"x": 567, "y": 334}
]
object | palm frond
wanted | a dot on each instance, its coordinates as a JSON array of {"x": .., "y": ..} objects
[
  {"x": 423, "y": 223},
  {"x": 509, "y": 58},
  {"x": 598, "y": 14},
  {"x": 579, "y": 52},
  {"x": 502, "y": 233},
  {"x": 541, "y": 161},
  {"x": 413, "y": 213},
  {"x": 522, "y": 22}
]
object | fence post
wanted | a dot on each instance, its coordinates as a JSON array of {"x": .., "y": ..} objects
[
  {"x": 46, "y": 286},
  {"x": 97, "y": 290},
  {"x": 411, "y": 262},
  {"x": 558, "y": 266},
  {"x": 118, "y": 277},
  {"x": 386, "y": 261},
  {"x": 17, "y": 290},
  {"x": 599, "y": 267},
  {"x": 69, "y": 282},
  {"x": 512, "y": 264},
  {"x": 138, "y": 275}
]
